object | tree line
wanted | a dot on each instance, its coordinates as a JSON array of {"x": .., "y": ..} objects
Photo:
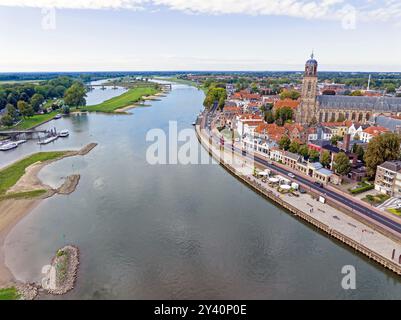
[{"x": 26, "y": 99}]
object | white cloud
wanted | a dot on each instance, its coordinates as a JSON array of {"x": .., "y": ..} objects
[
  {"x": 75, "y": 4},
  {"x": 368, "y": 10}
]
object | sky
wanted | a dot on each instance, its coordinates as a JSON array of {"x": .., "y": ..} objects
[{"x": 169, "y": 35}]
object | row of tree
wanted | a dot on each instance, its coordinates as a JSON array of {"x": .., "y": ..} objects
[
  {"x": 26, "y": 99},
  {"x": 215, "y": 94}
]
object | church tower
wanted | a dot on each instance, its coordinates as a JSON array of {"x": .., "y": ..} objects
[{"x": 307, "y": 110}]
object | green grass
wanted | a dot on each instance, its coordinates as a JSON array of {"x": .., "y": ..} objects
[
  {"x": 362, "y": 187},
  {"x": 397, "y": 212},
  {"x": 126, "y": 99},
  {"x": 34, "y": 121},
  {"x": 376, "y": 199},
  {"x": 11, "y": 174},
  {"x": 23, "y": 195},
  {"x": 9, "y": 294}
]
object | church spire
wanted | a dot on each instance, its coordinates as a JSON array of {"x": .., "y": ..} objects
[{"x": 312, "y": 56}]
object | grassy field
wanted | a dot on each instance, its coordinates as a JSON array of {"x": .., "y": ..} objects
[
  {"x": 23, "y": 195},
  {"x": 11, "y": 174},
  {"x": 126, "y": 99},
  {"x": 9, "y": 294},
  {"x": 36, "y": 120}
]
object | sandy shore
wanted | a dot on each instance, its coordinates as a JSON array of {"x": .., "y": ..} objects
[
  {"x": 13, "y": 210},
  {"x": 155, "y": 97}
]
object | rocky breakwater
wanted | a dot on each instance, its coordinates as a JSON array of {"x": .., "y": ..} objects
[{"x": 61, "y": 274}]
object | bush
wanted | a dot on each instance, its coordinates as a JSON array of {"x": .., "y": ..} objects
[{"x": 363, "y": 187}]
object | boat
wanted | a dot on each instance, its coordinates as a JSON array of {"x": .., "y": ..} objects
[
  {"x": 20, "y": 141},
  {"x": 57, "y": 116},
  {"x": 48, "y": 140},
  {"x": 8, "y": 146},
  {"x": 63, "y": 133}
]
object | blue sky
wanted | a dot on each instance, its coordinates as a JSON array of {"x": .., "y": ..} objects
[{"x": 199, "y": 35}]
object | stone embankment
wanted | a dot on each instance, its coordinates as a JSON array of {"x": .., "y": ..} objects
[
  {"x": 69, "y": 184},
  {"x": 62, "y": 273}
]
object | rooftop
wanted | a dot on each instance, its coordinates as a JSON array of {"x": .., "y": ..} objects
[{"x": 392, "y": 165}]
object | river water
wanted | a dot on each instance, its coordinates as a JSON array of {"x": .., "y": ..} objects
[{"x": 174, "y": 231}]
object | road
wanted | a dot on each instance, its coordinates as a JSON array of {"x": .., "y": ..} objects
[{"x": 354, "y": 206}]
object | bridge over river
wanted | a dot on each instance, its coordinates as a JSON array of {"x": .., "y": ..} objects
[{"x": 28, "y": 134}]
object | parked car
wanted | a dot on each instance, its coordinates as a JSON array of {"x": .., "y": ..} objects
[
  {"x": 319, "y": 184},
  {"x": 302, "y": 191},
  {"x": 291, "y": 175}
]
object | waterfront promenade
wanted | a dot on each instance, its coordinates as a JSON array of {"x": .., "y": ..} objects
[{"x": 339, "y": 225}]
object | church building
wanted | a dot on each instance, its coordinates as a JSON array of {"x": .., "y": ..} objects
[{"x": 315, "y": 108}]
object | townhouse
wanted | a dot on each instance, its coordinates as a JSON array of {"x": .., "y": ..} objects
[
  {"x": 388, "y": 178},
  {"x": 371, "y": 132}
]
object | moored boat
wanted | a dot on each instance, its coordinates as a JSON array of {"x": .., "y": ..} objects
[
  {"x": 64, "y": 133},
  {"x": 8, "y": 146},
  {"x": 48, "y": 140}
]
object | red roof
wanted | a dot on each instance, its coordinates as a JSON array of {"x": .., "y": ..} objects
[
  {"x": 293, "y": 104},
  {"x": 272, "y": 130},
  {"x": 232, "y": 109},
  {"x": 250, "y": 116},
  {"x": 375, "y": 131}
]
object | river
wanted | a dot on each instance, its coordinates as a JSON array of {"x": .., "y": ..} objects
[{"x": 174, "y": 231}]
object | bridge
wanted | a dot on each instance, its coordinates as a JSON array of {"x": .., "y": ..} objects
[{"x": 28, "y": 133}]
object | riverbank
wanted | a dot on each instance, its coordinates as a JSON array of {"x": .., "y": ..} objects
[
  {"x": 333, "y": 222},
  {"x": 24, "y": 180},
  {"x": 127, "y": 99}
]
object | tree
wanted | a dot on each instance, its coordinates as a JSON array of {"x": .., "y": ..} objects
[
  {"x": 290, "y": 94},
  {"x": 269, "y": 118},
  {"x": 294, "y": 147},
  {"x": 390, "y": 88},
  {"x": 342, "y": 165},
  {"x": 359, "y": 151},
  {"x": 385, "y": 147},
  {"x": 75, "y": 95},
  {"x": 283, "y": 114},
  {"x": 325, "y": 158},
  {"x": 303, "y": 151},
  {"x": 66, "y": 110},
  {"x": 36, "y": 101},
  {"x": 7, "y": 120},
  {"x": 284, "y": 143},
  {"x": 25, "y": 109},
  {"x": 313, "y": 155},
  {"x": 334, "y": 140},
  {"x": 11, "y": 111},
  {"x": 356, "y": 93},
  {"x": 214, "y": 95}
]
